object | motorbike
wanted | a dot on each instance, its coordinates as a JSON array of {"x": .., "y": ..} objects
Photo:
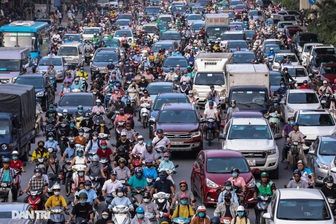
[
  {"x": 161, "y": 199},
  {"x": 160, "y": 151},
  {"x": 106, "y": 166},
  {"x": 39, "y": 119},
  {"x": 210, "y": 129},
  {"x": 85, "y": 85},
  {"x": 97, "y": 118},
  {"x": 151, "y": 217},
  {"x": 119, "y": 127},
  {"x": 5, "y": 192},
  {"x": 67, "y": 176},
  {"x": 262, "y": 204},
  {"x": 274, "y": 121},
  {"x": 325, "y": 100},
  {"x": 295, "y": 154},
  {"x": 57, "y": 215},
  {"x": 181, "y": 220},
  {"x": 332, "y": 204},
  {"x": 62, "y": 133},
  {"x": 184, "y": 88},
  {"x": 121, "y": 214},
  {"x": 50, "y": 126},
  {"x": 270, "y": 62},
  {"x": 95, "y": 179},
  {"x": 87, "y": 132},
  {"x": 136, "y": 161},
  {"x": 137, "y": 194},
  {"x": 144, "y": 114},
  {"x": 87, "y": 56},
  {"x": 53, "y": 179},
  {"x": 109, "y": 197},
  {"x": 34, "y": 199}
]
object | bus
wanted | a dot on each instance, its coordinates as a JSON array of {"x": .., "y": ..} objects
[{"x": 29, "y": 34}]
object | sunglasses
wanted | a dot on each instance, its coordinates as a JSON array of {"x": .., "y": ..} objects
[{"x": 183, "y": 186}]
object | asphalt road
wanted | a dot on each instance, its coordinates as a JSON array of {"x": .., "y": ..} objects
[{"x": 185, "y": 161}]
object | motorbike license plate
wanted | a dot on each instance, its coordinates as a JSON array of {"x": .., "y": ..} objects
[
  {"x": 176, "y": 143},
  {"x": 251, "y": 162}
]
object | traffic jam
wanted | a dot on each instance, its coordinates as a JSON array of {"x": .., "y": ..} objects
[{"x": 167, "y": 112}]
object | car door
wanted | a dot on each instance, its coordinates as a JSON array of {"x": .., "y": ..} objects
[
  {"x": 312, "y": 155},
  {"x": 198, "y": 174},
  {"x": 271, "y": 208}
]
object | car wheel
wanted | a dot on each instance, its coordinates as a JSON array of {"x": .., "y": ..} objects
[{"x": 275, "y": 173}]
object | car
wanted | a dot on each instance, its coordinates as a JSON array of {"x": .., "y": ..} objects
[
  {"x": 167, "y": 18},
  {"x": 262, "y": 153},
  {"x": 71, "y": 101},
  {"x": 271, "y": 41},
  {"x": 235, "y": 45},
  {"x": 257, "y": 14},
  {"x": 197, "y": 25},
  {"x": 328, "y": 72},
  {"x": 299, "y": 99},
  {"x": 239, "y": 10},
  {"x": 278, "y": 57},
  {"x": 150, "y": 28},
  {"x": 305, "y": 53},
  {"x": 242, "y": 114},
  {"x": 101, "y": 59},
  {"x": 152, "y": 10},
  {"x": 123, "y": 23},
  {"x": 7, "y": 208},
  {"x": 281, "y": 25},
  {"x": 321, "y": 49},
  {"x": 234, "y": 3},
  {"x": 232, "y": 35},
  {"x": 320, "y": 155},
  {"x": 118, "y": 34},
  {"x": 75, "y": 37},
  {"x": 44, "y": 89},
  {"x": 88, "y": 32},
  {"x": 236, "y": 26},
  {"x": 314, "y": 123},
  {"x": 244, "y": 57},
  {"x": 288, "y": 18},
  {"x": 267, "y": 48},
  {"x": 172, "y": 61},
  {"x": 315, "y": 64},
  {"x": 297, "y": 14},
  {"x": 212, "y": 168},
  {"x": 171, "y": 35},
  {"x": 301, "y": 38},
  {"x": 155, "y": 88},
  {"x": 275, "y": 78},
  {"x": 126, "y": 16},
  {"x": 59, "y": 66},
  {"x": 178, "y": 9},
  {"x": 298, "y": 73},
  {"x": 300, "y": 206},
  {"x": 180, "y": 122},
  {"x": 249, "y": 35},
  {"x": 163, "y": 98},
  {"x": 166, "y": 44},
  {"x": 191, "y": 18},
  {"x": 111, "y": 43},
  {"x": 290, "y": 30}
]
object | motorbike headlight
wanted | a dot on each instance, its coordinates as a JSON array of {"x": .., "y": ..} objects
[
  {"x": 251, "y": 183},
  {"x": 323, "y": 166},
  {"x": 211, "y": 184},
  {"x": 195, "y": 134},
  {"x": 39, "y": 94},
  {"x": 271, "y": 152}
]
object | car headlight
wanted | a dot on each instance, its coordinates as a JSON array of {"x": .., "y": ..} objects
[
  {"x": 195, "y": 134},
  {"x": 39, "y": 94},
  {"x": 323, "y": 166},
  {"x": 211, "y": 184},
  {"x": 251, "y": 183},
  {"x": 271, "y": 152}
]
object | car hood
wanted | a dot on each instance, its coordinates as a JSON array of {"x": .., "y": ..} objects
[
  {"x": 72, "y": 109},
  {"x": 8, "y": 74},
  {"x": 100, "y": 64},
  {"x": 249, "y": 145},
  {"x": 219, "y": 177},
  {"x": 326, "y": 159},
  {"x": 178, "y": 127},
  {"x": 306, "y": 106},
  {"x": 45, "y": 68},
  {"x": 329, "y": 77},
  {"x": 313, "y": 131},
  {"x": 13, "y": 221}
]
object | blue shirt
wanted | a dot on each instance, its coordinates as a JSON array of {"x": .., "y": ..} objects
[
  {"x": 121, "y": 201},
  {"x": 150, "y": 172},
  {"x": 51, "y": 144},
  {"x": 134, "y": 182},
  {"x": 304, "y": 173},
  {"x": 6, "y": 177},
  {"x": 166, "y": 165},
  {"x": 70, "y": 152},
  {"x": 91, "y": 195}
]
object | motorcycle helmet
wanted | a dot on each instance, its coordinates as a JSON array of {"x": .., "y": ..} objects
[
  {"x": 95, "y": 160},
  {"x": 37, "y": 170},
  {"x": 122, "y": 160},
  {"x": 211, "y": 103},
  {"x": 120, "y": 191},
  {"x": 264, "y": 174},
  {"x": 113, "y": 173},
  {"x": 215, "y": 220},
  {"x": 149, "y": 145},
  {"x": 235, "y": 170},
  {"x": 103, "y": 142},
  {"x": 329, "y": 181},
  {"x": 80, "y": 107},
  {"x": 159, "y": 131},
  {"x": 15, "y": 153},
  {"x": 6, "y": 160},
  {"x": 56, "y": 188},
  {"x": 138, "y": 172},
  {"x": 50, "y": 134},
  {"x": 83, "y": 195},
  {"x": 128, "y": 102},
  {"x": 201, "y": 208},
  {"x": 148, "y": 161},
  {"x": 184, "y": 182},
  {"x": 140, "y": 209}
]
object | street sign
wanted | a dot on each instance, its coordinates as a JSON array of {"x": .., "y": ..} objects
[{"x": 312, "y": 2}]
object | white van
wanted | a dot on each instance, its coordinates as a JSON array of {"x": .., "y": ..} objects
[{"x": 72, "y": 53}]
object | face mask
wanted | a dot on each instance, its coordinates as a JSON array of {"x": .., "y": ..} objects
[
  {"x": 57, "y": 193},
  {"x": 292, "y": 123},
  {"x": 105, "y": 216},
  {"x": 51, "y": 109},
  {"x": 184, "y": 202},
  {"x": 87, "y": 118},
  {"x": 120, "y": 194},
  {"x": 185, "y": 75},
  {"x": 282, "y": 86},
  {"x": 81, "y": 70},
  {"x": 228, "y": 188},
  {"x": 162, "y": 178},
  {"x": 98, "y": 104},
  {"x": 65, "y": 114},
  {"x": 15, "y": 158},
  {"x": 240, "y": 214},
  {"x": 275, "y": 104},
  {"x": 235, "y": 174},
  {"x": 201, "y": 214},
  {"x": 38, "y": 174},
  {"x": 72, "y": 125},
  {"x": 140, "y": 141},
  {"x": 87, "y": 188},
  {"x": 227, "y": 199},
  {"x": 146, "y": 200},
  {"x": 82, "y": 202},
  {"x": 80, "y": 111},
  {"x": 81, "y": 133},
  {"x": 80, "y": 154},
  {"x": 171, "y": 71},
  {"x": 95, "y": 138},
  {"x": 104, "y": 146},
  {"x": 330, "y": 184},
  {"x": 102, "y": 125},
  {"x": 41, "y": 146},
  {"x": 166, "y": 159},
  {"x": 50, "y": 139},
  {"x": 81, "y": 174},
  {"x": 140, "y": 215}
]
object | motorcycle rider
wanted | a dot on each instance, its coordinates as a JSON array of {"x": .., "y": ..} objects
[
  {"x": 131, "y": 135},
  {"x": 105, "y": 217},
  {"x": 325, "y": 89},
  {"x": 110, "y": 66},
  {"x": 83, "y": 209},
  {"x": 161, "y": 140},
  {"x": 295, "y": 136},
  {"x": 139, "y": 217},
  {"x": 211, "y": 112},
  {"x": 183, "y": 190},
  {"x": 275, "y": 108},
  {"x": 96, "y": 169},
  {"x": 80, "y": 139},
  {"x": 77, "y": 84},
  {"x": 51, "y": 113},
  {"x": 297, "y": 182},
  {"x": 82, "y": 74},
  {"x": 79, "y": 113},
  {"x": 286, "y": 77},
  {"x": 104, "y": 151},
  {"x": 40, "y": 152},
  {"x": 139, "y": 147},
  {"x": 231, "y": 109},
  {"x": 306, "y": 173},
  {"x": 98, "y": 107},
  {"x": 200, "y": 217},
  {"x": 56, "y": 199},
  {"x": 183, "y": 209},
  {"x": 138, "y": 180},
  {"x": 145, "y": 99},
  {"x": 69, "y": 152},
  {"x": 80, "y": 158},
  {"x": 54, "y": 167},
  {"x": 329, "y": 188},
  {"x": 15, "y": 162},
  {"x": 305, "y": 85},
  {"x": 37, "y": 182},
  {"x": 52, "y": 73},
  {"x": 143, "y": 82},
  {"x": 78, "y": 179},
  {"x": 166, "y": 163},
  {"x": 149, "y": 153},
  {"x": 238, "y": 183},
  {"x": 285, "y": 132},
  {"x": 93, "y": 144},
  {"x": 241, "y": 216},
  {"x": 170, "y": 76},
  {"x": 121, "y": 199},
  {"x": 228, "y": 188},
  {"x": 110, "y": 186},
  {"x": 213, "y": 94},
  {"x": 87, "y": 122},
  {"x": 149, "y": 170},
  {"x": 163, "y": 185},
  {"x": 92, "y": 196},
  {"x": 51, "y": 143},
  {"x": 264, "y": 187},
  {"x": 123, "y": 172},
  {"x": 65, "y": 116},
  {"x": 8, "y": 175}
]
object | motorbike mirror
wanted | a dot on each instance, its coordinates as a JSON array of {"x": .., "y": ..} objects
[
  {"x": 277, "y": 136},
  {"x": 333, "y": 170},
  {"x": 176, "y": 166},
  {"x": 267, "y": 216}
]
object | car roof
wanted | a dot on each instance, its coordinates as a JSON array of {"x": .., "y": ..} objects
[
  {"x": 222, "y": 153},
  {"x": 313, "y": 112},
  {"x": 301, "y": 91},
  {"x": 52, "y": 57},
  {"x": 177, "y": 106},
  {"x": 234, "y": 32},
  {"x": 328, "y": 138},
  {"x": 246, "y": 113},
  {"x": 165, "y": 42},
  {"x": 236, "y": 41},
  {"x": 295, "y": 66},
  {"x": 171, "y": 95},
  {"x": 243, "y": 52},
  {"x": 160, "y": 84},
  {"x": 32, "y": 75},
  {"x": 249, "y": 121},
  {"x": 170, "y": 57},
  {"x": 78, "y": 94},
  {"x": 302, "y": 193},
  {"x": 172, "y": 31},
  {"x": 285, "y": 53}
]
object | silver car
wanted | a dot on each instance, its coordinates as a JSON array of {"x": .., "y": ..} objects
[
  {"x": 320, "y": 155},
  {"x": 57, "y": 61}
]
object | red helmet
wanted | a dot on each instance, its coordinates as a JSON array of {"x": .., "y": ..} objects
[{"x": 103, "y": 142}]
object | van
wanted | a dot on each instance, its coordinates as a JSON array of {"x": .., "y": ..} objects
[
  {"x": 13, "y": 60},
  {"x": 72, "y": 53}
]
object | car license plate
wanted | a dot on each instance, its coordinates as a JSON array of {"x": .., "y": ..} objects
[
  {"x": 176, "y": 143},
  {"x": 251, "y": 162}
]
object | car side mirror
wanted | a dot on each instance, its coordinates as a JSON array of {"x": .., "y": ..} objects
[
  {"x": 277, "y": 136},
  {"x": 311, "y": 152},
  {"x": 221, "y": 136},
  {"x": 267, "y": 216},
  {"x": 333, "y": 170}
]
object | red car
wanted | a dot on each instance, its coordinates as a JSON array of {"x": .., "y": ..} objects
[
  {"x": 328, "y": 72},
  {"x": 212, "y": 168}
]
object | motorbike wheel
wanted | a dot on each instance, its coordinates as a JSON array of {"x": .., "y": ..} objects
[
  {"x": 67, "y": 185},
  {"x": 294, "y": 162},
  {"x": 261, "y": 219},
  {"x": 209, "y": 138},
  {"x": 145, "y": 121}
]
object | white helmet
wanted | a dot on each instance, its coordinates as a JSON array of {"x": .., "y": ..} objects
[
  {"x": 98, "y": 101},
  {"x": 240, "y": 209},
  {"x": 56, "y": 187},
  {"x": 123, "y": 133},
  {"x": 140, "y": 137},
  {"x": 65, "y": 111},
  {"x": 15, "y": 153}
]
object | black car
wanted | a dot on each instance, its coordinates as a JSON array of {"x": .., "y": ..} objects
[
  {"x": 300, "y": 38},
  {"x": 44, "y": 89},
  {"x": 316, "y": 61},
  {"x": 71, "y": 101},
  {"x": 102, "y": 57}
]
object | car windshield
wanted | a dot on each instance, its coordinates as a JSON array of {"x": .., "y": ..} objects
[
  {"x": 247, "y": 98},
  {"x": 240, "y": 7},
  {"x": 328, "y": 69},
  {"x": 233, "y": 36},
  {"x": 36, "y": 82},
  {"x": 4, "y": 127},
  {"x": 122, "y": 22},
  {"x": 291, "y": 57},
  {"x": 237, "y": 44},
  {"x": 150, "y": 29},
  {"x": 170, "y": 36},
  {"x": 297, "y": 72},
  {"x": 226, "y": 164},
  {"x": 160, "y": 101},
  {"x": 324, "y": 59},
  {"x": 275, "y": 80},
  {"x": 325, "y": 50},
  {"x": 178, "y": 116},
  {"x": 91, "y": 31},
  {"x": 195, "y": 17},
  {"x": 159, "y": 46},
  {"x": 315, "y": 120},
  {"x": 282, "y": 25},
  {"x": 203, "y": 78},
  {"x": 302, "y": 98},
  {"x": 74, "y": 100},
  {"x": 152, "y": 11},
  {"x": 156, "y": 89},
  {"x": 72, "y": 37},
  {"x": 311, "y": 38},
  {"x": 178, "y": 8},
  {"x": 255, "y": 13},
  {"x": 113, "y": 43},
  {"x": 276, "y": 49},
  {"x": 50, "y": 61},
  {"x": 249, "y": 33},
  {"x": 289, "y": 18},
  {"x": 166, "y": 19},
  {"x": 303, "y": 209},
  {"x": 197, "y": 26},
  {"x": 172, "y": 62},
  {"x": 243, "y": 58},
  {"x": 291, "y": 32},
  {"x": 216, "y": 31},
  {"x": 105, "y": 57},
  {"x": 67, "y": 51},
  {"x": 327, "y": 148},
  {"x": 10, "y": 65},
  {"x": 250, "y": 132},
  {"x": 120, "y": 33}
]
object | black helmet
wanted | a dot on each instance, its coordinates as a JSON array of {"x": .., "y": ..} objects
[
  {"x": 5, "y": 160},
  {"x": 329, "y": 179},
  {"x": 128, "y": 102},
  {"x": 235, "y": 170},
  {"x": 159, "y": 131},
  {"x": 51, "y": 105},
  {"x": 50, "y": 134},
  {"x": 146, "y": 195},
  {"x": 38, "y": 170},
  {"x": 227, "y": 183}
]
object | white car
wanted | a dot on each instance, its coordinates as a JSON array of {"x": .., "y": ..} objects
[
  {"x": 254, "y": 139},
  {"x": 89, "y": 32},
  {"x": 276, "y": 66},
  {"x": 304, "y": 56},
  {"x": 120, "y": 33},
  {"x": 298, "y": 73},
  {"x": 315, "y": 123},
  {"x": 299, "y": 206},
  {"x": 299, "y": 99}
]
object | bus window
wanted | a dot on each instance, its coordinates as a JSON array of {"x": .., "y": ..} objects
[{"x": 14, "y": 39}]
